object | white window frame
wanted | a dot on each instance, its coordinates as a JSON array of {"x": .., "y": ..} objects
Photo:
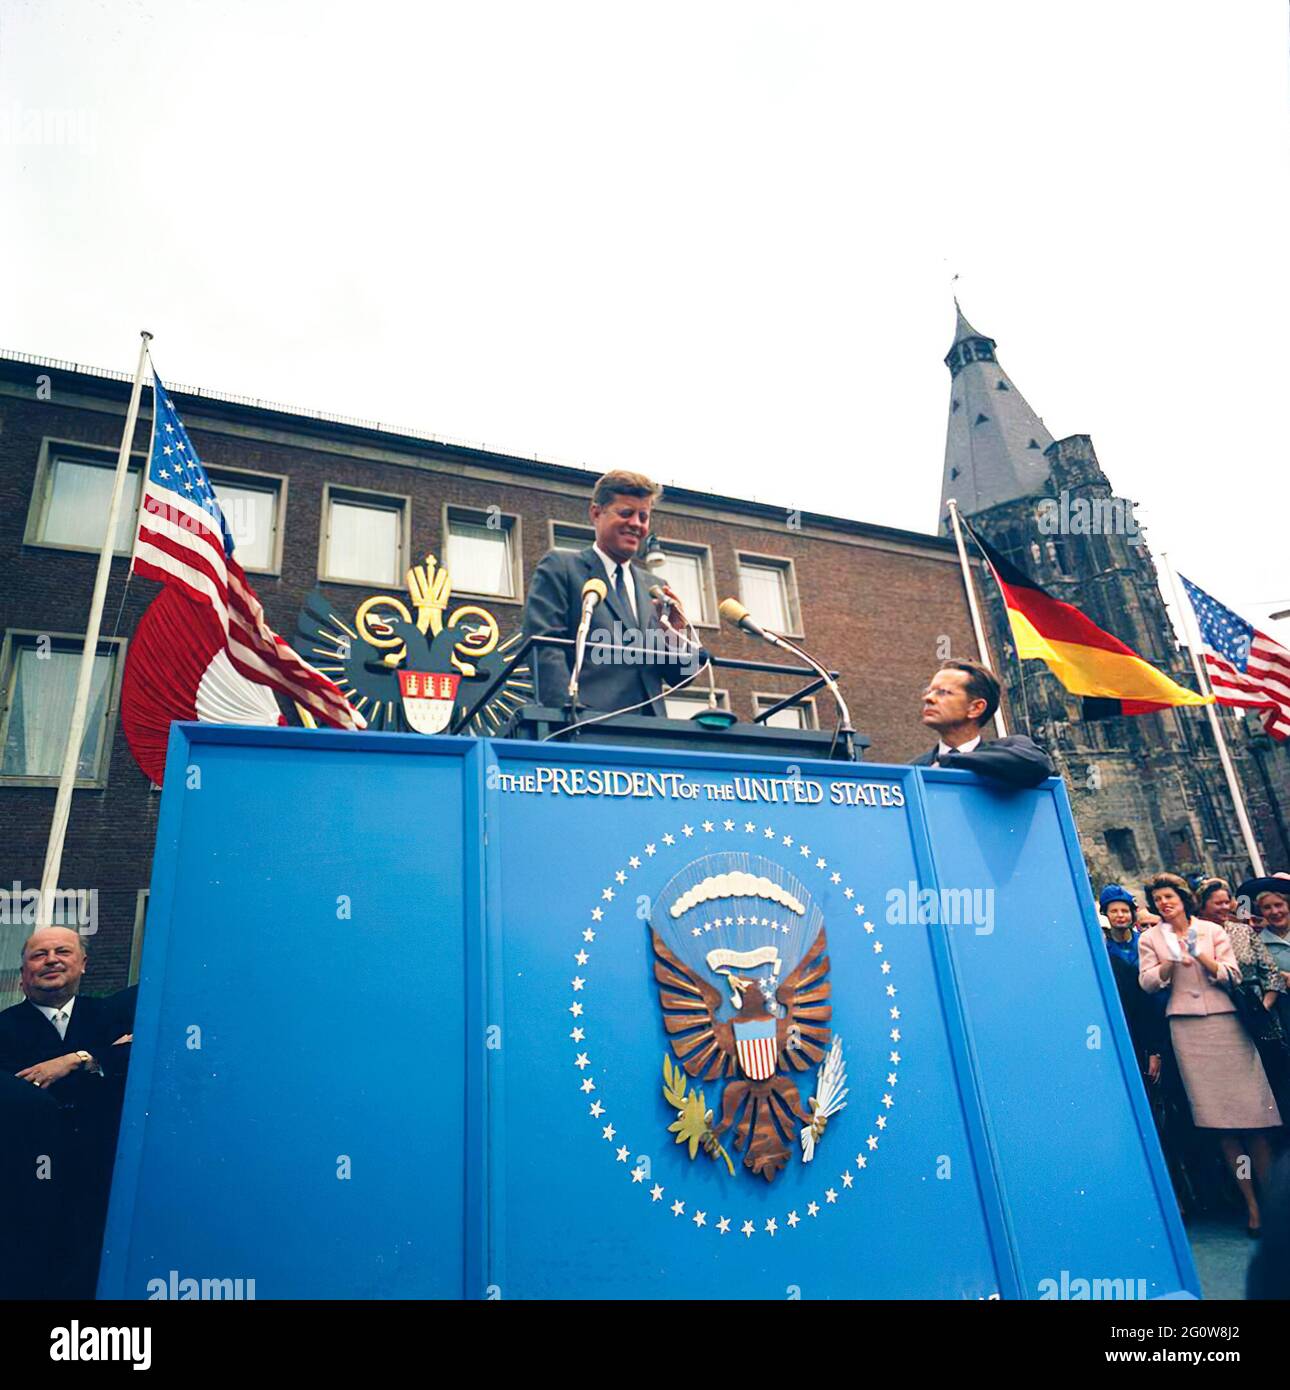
[
  {"x": 554, "y": 526},
  {"x": 16, "y": 638},
  {"x": 781, "y": 562},
  {"x": 42, "y": 492},
  {"x": 364, "y": 496},
  {"x": 763, "y": 699},
  {"x": 703, "y": 553},
  {"x": 261, "y": 482},
  {"x": 698, "y": 695},
  {"x": 478, "y": 516}
]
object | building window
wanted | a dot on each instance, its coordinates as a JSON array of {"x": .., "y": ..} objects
[
  {"x": 252, "y": 506},
  {"x": 480, "y": 550},
  {"x": 1122, "y": 844},
  {"x": 687, "y": 570},
  {"x": 689, "y": 703},
  {"x": 1182, "y": 844},
  {"x": 799, "y": 716},
  {"x": 767, "y": 590},
  {"x": 365, "y": 536},
  {"x": 567, "y": 536},
  {"x": 40, "y": 674},
  {"x": 74, "y": 502}
]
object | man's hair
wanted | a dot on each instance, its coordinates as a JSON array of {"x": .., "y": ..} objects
[
  {"x": 1179, "y": 885},
  {"x": 982, "y": 684},
  {"x": 619, "y": 483}
]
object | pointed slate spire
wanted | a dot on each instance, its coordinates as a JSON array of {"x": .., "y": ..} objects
[
  {"x": 994, "y": 443},
  {"x": 963, "y": 329}
]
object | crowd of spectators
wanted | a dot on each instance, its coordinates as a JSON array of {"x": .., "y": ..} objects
[{"x": 1203, "y": 974}]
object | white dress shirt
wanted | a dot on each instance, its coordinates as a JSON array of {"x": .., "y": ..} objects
[
  {"x": 943, "y": 747},
  {"x": 629, "y": 579},
  {"x": 59, "y": 1015}
]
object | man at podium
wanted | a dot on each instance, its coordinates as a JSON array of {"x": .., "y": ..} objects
[{"x": 635, "y": 641}]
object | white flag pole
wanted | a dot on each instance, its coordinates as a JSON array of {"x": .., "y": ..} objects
[
  {"x": 72, "y": 754},
  {"x": 981, "y": 645},
  {"x": 1192, "y": 638}
]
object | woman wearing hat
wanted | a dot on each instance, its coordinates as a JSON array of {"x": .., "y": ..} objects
[
  {"x": 1146, "y": 1023},
  {"x": 1226, "y": 1085}
]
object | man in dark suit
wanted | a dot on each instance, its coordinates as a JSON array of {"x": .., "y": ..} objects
[
  {"x": 959, "y": 701},
  {"x": 64, "y": 1059},
  {"x": 635, "y": 643}
]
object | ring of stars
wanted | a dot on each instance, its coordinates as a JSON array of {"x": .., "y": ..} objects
[{"x": 845, "y": 1181}]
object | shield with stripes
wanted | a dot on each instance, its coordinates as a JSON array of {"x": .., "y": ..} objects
[{"x": 756, "y": 1048}]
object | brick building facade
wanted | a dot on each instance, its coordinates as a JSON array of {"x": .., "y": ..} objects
[{"x": 881, "y": 605}]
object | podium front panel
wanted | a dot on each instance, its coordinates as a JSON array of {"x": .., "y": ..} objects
[
  {"x": 594, "y": 1197},
  {"x": 440, "y": 1017}
]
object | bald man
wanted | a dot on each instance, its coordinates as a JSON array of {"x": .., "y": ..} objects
[
  {"x": 55, "y": 1039},
  {"x": 69, "y": 1052}
]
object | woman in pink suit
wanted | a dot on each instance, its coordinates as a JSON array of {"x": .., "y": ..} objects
[{"x": 1225, "y": 1082}]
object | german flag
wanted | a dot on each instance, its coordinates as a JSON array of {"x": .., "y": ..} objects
[{"x": 1113, "y": 678}]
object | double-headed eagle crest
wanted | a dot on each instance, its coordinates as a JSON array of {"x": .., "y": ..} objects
[
  {"x": 743, "y": 920},
  {"x": 406, "y": 673}
]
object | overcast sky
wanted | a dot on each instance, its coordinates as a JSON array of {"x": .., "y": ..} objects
[{"x": 710, "y": 241}]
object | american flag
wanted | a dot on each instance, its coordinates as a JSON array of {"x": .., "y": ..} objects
[
  {"x": 1246, "y": 667},
  {"x": 184, "y": 540}
]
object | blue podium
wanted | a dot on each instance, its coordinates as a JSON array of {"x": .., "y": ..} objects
[{"x": 456, "y": 1018}]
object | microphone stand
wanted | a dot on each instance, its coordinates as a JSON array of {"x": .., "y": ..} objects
[{"x": 846, "y": 730}]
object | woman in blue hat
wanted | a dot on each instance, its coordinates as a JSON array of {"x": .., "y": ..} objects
[{"x": 1145, "y": 1019}]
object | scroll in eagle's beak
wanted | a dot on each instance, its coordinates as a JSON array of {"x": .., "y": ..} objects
[{"x": 739, "y": 987}]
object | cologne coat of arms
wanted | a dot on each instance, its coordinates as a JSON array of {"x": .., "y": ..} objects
[
  {"x": 404, "y": 672},
  {"x": 741, "y": 961}
]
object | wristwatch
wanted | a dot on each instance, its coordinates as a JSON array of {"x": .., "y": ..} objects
[{"x": 86, "y": 1060}]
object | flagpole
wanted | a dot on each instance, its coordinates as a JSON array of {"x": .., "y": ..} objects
[
  {"x": 981, "y": 644},
  {"x": 80, "y": 706},
  {"x": 1198, "y": 666}
]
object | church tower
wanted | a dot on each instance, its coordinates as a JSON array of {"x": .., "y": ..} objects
[{"x": 1148, "y": 791}]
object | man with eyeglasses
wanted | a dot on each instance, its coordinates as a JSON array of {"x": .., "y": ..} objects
[{"x": 959, "y": 701}]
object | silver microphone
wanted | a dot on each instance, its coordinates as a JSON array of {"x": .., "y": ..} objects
[
  {"x": 593, "y": 592},
  {"x": 734, "y": 612}
]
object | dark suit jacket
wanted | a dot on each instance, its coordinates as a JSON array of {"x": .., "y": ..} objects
[
  {"x": 72, "y": 1125},
  {"x": 1146, "y": 1020},
  {"x": 554, "y": 608},
  {"x": 1015, "y": 760},
  {"x": 28, "y": 1037}
]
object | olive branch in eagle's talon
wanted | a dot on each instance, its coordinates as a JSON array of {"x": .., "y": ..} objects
[{"x": 693, "y": 1123}]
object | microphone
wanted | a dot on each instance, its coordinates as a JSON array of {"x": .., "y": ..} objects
[
  {"x": 659, "y": 594},
  {"x": 734, "y": 612},
  {"x": 593, "y": 592}
]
